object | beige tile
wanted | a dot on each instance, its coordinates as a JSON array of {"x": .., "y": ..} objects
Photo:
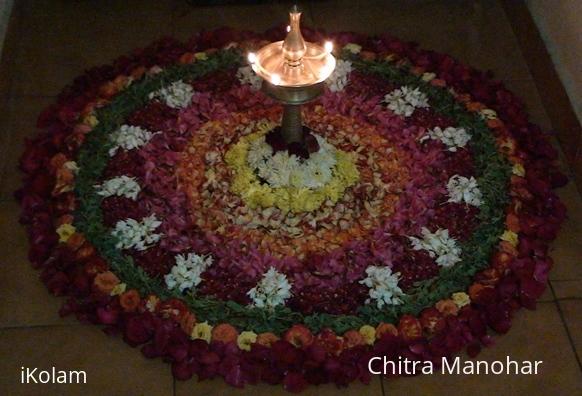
[
  {"x": 16, "y": 124},
  {"x": 189, "y": 20},
  {"x": 568, "y": 289},
  {"x": 217, "y": 387},
  {"x": 477, "y": 33},
  {"x": 548, "y": 296},
  {"x": 571, "y": 312},
  {"x": 59, "y": 40},
  {"x": 566, "y": 250},
  {"x": 527, "y": 91},
  {"x": 537, "y": 335},
  {"x": 112, "y": 368},
  {"x": 25, "y": 300}
]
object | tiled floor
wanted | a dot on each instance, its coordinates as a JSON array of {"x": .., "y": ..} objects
[{"x": 51, "y": 41}]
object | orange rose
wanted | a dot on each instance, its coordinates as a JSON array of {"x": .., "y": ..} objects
[
  {"x": 367, "y": 55},
  {"x": 106, "y": 281},
  {"x": 187, "y": 323},
  {"x": 129, "y": 300},
  {"x": 75, "y": 241},
  {"x": 186, "y": 58},
  {"x": 224, "y": 333},
  {"x": 512, "y": 222},
  {"x": 298, "y": 335},
  {"x": 95, "y": 265},
  {"x": 138, "y": 72},
  {"x": 447, "y": 307},
  {"x": 386, "y": 328},
  {"x": 409, "y": 327},
  {"x": 85, "y": 251},
  {"x": 431, "y": 320},
  {"x": 437, "y": 82},
  {"x": 266, "y": 339},
  {"x": 353, "y": 338},
  {"x": 495, "y": 123}
]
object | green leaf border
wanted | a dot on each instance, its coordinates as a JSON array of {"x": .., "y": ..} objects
[{"x": 493, "y": 172}]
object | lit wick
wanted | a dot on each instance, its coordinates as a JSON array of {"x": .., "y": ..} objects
[{"x": 294, "y": 72}]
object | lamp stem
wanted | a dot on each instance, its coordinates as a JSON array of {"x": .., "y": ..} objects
[{"x": 292, "y": 125}]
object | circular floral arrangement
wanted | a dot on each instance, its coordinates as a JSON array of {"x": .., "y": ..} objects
[{"x": 157, "y": 201}]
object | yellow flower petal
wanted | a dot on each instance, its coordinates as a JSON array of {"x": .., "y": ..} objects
[
  {"x": 201, "y": 56},
  {"x": 511, "y": 237},
  {"x": 202, "y": 331},
  {"x": 461, "y": 299},
  {"x": 369, "y": 334},
  {"x": 246, "y": 339},
  {"x": 65, "y": 231},
  {"x": 518, "y": 170},
  {"x": 118, "y": 289}
]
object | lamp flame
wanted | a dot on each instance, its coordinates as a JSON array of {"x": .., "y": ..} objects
[{"x": 328, "y": 46}]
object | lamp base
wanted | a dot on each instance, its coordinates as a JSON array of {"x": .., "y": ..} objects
[{"x": 292, "y": 98}]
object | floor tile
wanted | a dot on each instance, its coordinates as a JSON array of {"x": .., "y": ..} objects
[
  {"x": 112, "y": 368},
  {"x": 548, "y": 295},
  {"x": 537, "y": 335},
  {"x": 16, "y": 124},
  {"x": 527, "y": 91},
  {"x": 477, "y": 32},
  {"x": 568, "y": 289},
  {"x": 571, "y": 312},
  {"x": 61, "y": 39},
  {"x": 216, "y": 387},
  {"x": 566, "y": 250},
  {"x": 25, "y": 300},
  {"x": 189, "y": 20}
]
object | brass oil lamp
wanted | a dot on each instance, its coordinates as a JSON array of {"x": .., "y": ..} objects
[{"x": 293, "y": 73}]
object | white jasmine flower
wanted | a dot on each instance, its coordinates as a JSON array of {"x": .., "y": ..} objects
[
  {"x": 122, "y": 186},
  {"x": 246, "y": 75},
  {"x": 451, "y": 137},
  {"x": 186, "y": 273},
  {"x": 284, "y": 170},
  {"x": 353, "y": 48},
  {"x": 259, "y": 152},
  {"x": 404, "y": 100},
  {"x": 383, "y": 285},
  {"x": 340, "y": 76},
  {"x": 462, "y": 189},
  {"x": 438, "y": 245},
  {"x": 272, "y": 290},
  {"x": 132, "y": 234},
  {"x": 177, "y": 95},
  {"x": 129, "y": 137}
]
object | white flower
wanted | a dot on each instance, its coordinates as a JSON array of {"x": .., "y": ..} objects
[
  {"x": 129, "y": 137},
  {"x": 438, "y": 245},
  {"x": 246, "y": 75},
  {"x": 186, "y": 273},
  {"x": 353, "y": 48},
  {"x": 122, "y": 186},
  {"x": 462, "y": 189},
  {"x": 177, "y": 95},
  {"x": 277, "y": 169},
  {"x": 451, "y": 137},
  {"x": 284, "y": 170},
  {"x": 131, "y": 233},
  {"x": 272, "y": 290},
  {"x": 340, "y": 76},
  {"x": 383, "y": 285},
  {"x": 404, "y": 100}
]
